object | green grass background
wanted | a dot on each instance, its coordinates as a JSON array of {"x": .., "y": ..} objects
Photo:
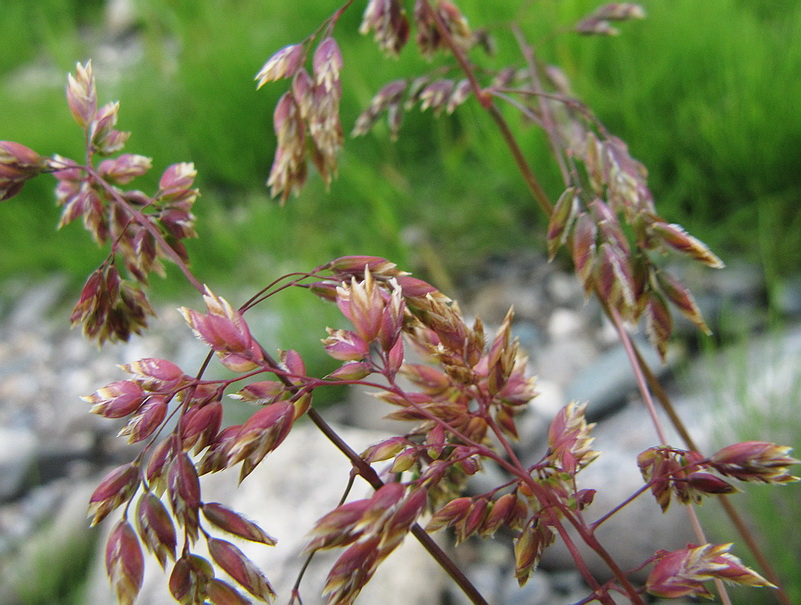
[{"x": 704, "y": 93}]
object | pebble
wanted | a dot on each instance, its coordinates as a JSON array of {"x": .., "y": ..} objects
[
  {"x": 608, "y": 380},
  {"x": 565, "y": 323},
  {"x": 17, "y": 453}
]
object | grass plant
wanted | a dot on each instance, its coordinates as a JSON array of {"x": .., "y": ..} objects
[{"x": 470, "y": 387}]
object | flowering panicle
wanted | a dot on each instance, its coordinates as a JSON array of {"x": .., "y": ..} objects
[
  {"x": 241, "y": 569},
  {"x": 261, "y": 434},
  {"x": 155, "y": 528},
  {"x": 288, "y": 173},
  {"x": 116, "y": 487},
  {"x": 686, "y": 474},
  {"x": 18, "y": 164},
  {"x": 371, "y": 528},
  {"x": 755, "y": 461},
  {"x": 470, "y": 394},
  {"x": 142, "y": 230},
  {"x": 676, "y": 473},
  {"x": 682, "y": 573},
  {"x": 388, "y": 20},
  {"x": 125, "y": 564},
  {"x": 599, "y": 21},
  {"x": 401, "y": 95},
  {"x": 390, "y": 100},
  {"x": 147, "y": 419},
  {"x": 382, "y": 304},
  {"x": 167, "y": 478},
  {"x": 569, "y": 439},
  {"x": 110, "y": 308},
  {"x": 619, "y": 268},
  {"x": 227, "y": 520},
  {"x": 226, "y": 332},
  {"x": 283, "y": 64},
  {"x": 529, "y": 545},
  {"x": 429, "y": 39},
  {"x": 310, "y": 107}
]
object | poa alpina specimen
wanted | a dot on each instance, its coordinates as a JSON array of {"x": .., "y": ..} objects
[{"x": 465, "y": 394}]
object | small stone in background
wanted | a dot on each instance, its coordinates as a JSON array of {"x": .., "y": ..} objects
[
  {"x": 562, "y": 359},
  {"x": 120, "y": 17},
  {"x": 608, "y": 381},
  {"x": 564, "y": 323},
  {"x": 17, "y": 452},
  {"x": 537, "y": 591},
  {"x": 35, "y": 304},
  {"x": 564, "y": 289}
]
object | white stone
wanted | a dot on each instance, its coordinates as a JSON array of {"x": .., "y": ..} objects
[{"x": 565, "y": 322}]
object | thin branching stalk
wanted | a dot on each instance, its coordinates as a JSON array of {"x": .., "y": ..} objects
[
  {"x": 142, "y": 220},
  {"x": 485, "y": 100},
  {"x": 369, "y": 475},
  {"x": 545, "y": 111},
  {"x": 734, "y": 515},
  {"x": 543, "y": 200},
  {"x": 649, "y": 404}
]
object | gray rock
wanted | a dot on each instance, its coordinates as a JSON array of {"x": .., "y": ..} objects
[
  {"x": 529, "y": 335},
  {"x": 608, "y": 381},
  {"x": 36, "y": 303},
  {"x": 565, "y": 322},
  {"x": 120, "y": 16},
  {"x": 564, "y": 289},
  {"x": 561, "y": 360},
  {"x": 537, "y": 591},
  {"x": 751, "y": 390},
  {"x": 17, "y": 453},
  {"x": 493, "y": 300},
  {"x": 568, "y": 586}
]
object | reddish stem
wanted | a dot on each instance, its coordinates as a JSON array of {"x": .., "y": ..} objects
[
  {"x": 734, "y": 516},
  {"x": 142, "y": 219},
  {"x": 485, "y": 99},
  {"x": 369, "y": 475},
  {"x": 367, "y": 472}
]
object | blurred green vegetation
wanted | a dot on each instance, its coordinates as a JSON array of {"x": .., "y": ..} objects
[{"x": 703, "y": 93}]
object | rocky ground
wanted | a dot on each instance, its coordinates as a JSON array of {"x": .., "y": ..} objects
[{"x": 52, "y": 452}]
